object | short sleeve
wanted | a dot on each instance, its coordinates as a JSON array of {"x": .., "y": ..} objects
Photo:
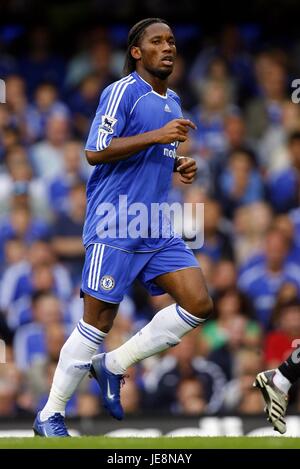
[
  {"x": 175, "y": 98},
  {"x": 111, "y": 116}
]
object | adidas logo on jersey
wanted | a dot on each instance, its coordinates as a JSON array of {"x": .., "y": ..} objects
[{"x": 167, "y": 109}]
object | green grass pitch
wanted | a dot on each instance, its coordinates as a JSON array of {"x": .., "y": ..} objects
[{"x": 103, "y": 442}]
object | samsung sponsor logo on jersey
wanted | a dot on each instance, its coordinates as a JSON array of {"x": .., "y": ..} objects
[
  {"x": 107, "y": 124},
  {"x": 171, "y": 152}
]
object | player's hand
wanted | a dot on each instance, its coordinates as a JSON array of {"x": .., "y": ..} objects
[
  {"x": 175, "y": 130},
  {"x": 187, "y": 168}
]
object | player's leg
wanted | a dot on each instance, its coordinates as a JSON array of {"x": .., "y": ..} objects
[
  {"x": 74, "y": 364},
  {"x": 193, "y": 305},
  {"x": 187, "y": 286},
  {"x": 274, "y": 386},
  {"x": 189, "y": 290},
  {"x": 75, "y": 356}
]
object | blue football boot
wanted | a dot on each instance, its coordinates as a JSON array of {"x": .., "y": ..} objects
[
  {"x": 53, "y": 426},
  {"x": 110, "y": 385}
]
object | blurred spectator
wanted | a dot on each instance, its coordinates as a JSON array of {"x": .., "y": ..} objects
[
  {"x": 208, "y": 269},
  {"x": 294, "y": 217},
  {"x": 120, "y": 333},
  {"x": 250, "y": 400},
  {"x": 284, "y": 223},
  {"x": 84, "y": 103},
  {"x": 190, "y": 397},
  {"x": 21, "y": 112},
  {"x": 262, "y": 281},
  {"x": 273, "y": 147},
  {"x": 14, "y": 252},
  {"x": 287, "y": 293},
  {"x": 47, "y": 155},
  {"x": 130, "y": 397},
  {"x": 10, "y": 391},
  {"x": 239, "y": 393},
  {"x": 5, "y": 333},
  {"x": 45, "y": 106},
  {"x": 266, "y": 110},
  {"x": 235, "y": 140},
  {"x": 22, "y": 224},
  {"x": 18, "y": 180},
  {"x": 251, "y": 224},
  {"x": 97, "y": 59},
  {"x": 217, "y": 242},
  {"x": 261, "y": 225},
  {"x": 209, "y": 118},
  {"x": 40, "y": 64},
  {"x": 4, "y": 124},
  {"x": 178, "y": 364},
  {"x": 9, "y": 138},
  {"x": 218, "y": 334},
  {"x": 283, "y": 186},
  {"x": 39, "y": 272},
  {"x": 177, "y": 82},
  {"x": 74, "y": 171},
  {"x": 230, "y": 49},
  {"x": 29, "y": 341},
  {"x": 67, "y": 240},
  {"x": 279, "y": 343},
  {"x": 87, "y": 405},
  {"x": 225, "y": 276},
  {"x": 240, "y": 183},
  {"x": 8, "y": 63}
]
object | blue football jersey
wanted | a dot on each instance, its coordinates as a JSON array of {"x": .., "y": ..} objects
[{"x": 123, "y": 196}]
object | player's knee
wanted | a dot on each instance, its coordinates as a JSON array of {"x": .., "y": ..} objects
[
  {"x": 104, "y": 324},
  {"x": 102, "y": 320},
  {"x": 202, "y": 307}
]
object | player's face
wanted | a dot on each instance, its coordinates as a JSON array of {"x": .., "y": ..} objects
[{"x": 157, "y": 50}]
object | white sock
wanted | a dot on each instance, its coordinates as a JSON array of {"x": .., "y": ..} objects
[
  {"x": 281, "y": 382},
  {"x": 163, "y": 331},
  {"x": 73, "y": 365}
]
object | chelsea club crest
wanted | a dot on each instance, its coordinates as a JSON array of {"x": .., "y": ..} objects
[{"x": 107, "y": 282}]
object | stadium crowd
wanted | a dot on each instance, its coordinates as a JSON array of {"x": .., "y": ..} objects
[{"x": 247, "y": 146}]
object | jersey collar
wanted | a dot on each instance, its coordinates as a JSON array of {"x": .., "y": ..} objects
[{"x": 136, "y": 75}]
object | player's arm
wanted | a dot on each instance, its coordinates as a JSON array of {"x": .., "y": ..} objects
[{"x": 121, "y": 148}]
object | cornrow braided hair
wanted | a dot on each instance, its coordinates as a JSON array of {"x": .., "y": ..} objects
[{"x": 134, "y": 37}]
